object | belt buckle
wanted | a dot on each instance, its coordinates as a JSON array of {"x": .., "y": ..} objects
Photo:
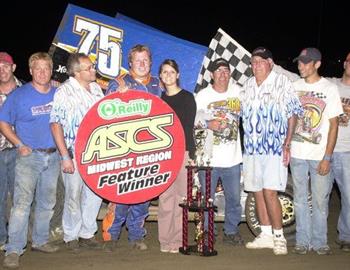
[
  {"x": 46, "y": 150},
  {"x": 50, "y": 150}
]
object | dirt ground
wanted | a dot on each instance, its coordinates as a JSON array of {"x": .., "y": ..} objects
[{"x": 228, "y": 257}]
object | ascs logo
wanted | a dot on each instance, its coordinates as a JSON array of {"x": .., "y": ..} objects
[{"x": 130, "y": 147}]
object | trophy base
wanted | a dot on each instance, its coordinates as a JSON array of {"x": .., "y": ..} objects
[{"x": 193, "y": 250}]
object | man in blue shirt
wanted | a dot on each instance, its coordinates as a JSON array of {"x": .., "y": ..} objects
[{"x": 37, "y": 168}]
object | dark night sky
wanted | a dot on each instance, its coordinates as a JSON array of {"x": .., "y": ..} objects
[{"x": 285, "y": 27}]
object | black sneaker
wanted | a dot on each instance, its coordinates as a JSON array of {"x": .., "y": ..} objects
[
  {"x": 323, "y": 250},
  {"x": 345, "y": 246},
  {"x": 300, "y": 250},
  {"x": 90, "y": 243},
  {"x": 46, "y": 248},
  {"x": 73, "y": 246},
  {"x": 233, "y": 239},
  {"x": 139, "y": 244},
  {"x": 110, "y": 246}
]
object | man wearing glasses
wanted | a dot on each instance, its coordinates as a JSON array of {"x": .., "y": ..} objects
[
  {"x": 72, "y": 101},
  {"x": 269, "y": 109}
]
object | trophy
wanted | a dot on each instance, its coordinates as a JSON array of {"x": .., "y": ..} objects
[
  {"x": 203, "y": 139},
  {"x": 197, "y": 203}
]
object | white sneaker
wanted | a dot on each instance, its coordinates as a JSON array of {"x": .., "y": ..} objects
[
  {"x": 261, "y": 241},
  {"x": 280, "y": 246}
]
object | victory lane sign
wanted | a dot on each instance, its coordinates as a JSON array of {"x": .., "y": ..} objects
[{"x": 130, "y": 147}]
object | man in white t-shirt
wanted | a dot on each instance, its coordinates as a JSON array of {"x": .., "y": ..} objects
[
  {"x": 312, "y": 148},
  {"x": 341, "y": 157},
  {"x": 269, "y": 111},
  {"x": 220, "y": 103}
]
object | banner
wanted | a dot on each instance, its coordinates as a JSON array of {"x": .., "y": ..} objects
[
  {"x": 130, "y": 147},
  {"x": 108, "y": 40}
]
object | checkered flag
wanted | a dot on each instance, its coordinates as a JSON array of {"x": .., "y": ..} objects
[{"x": 223, "y": 46}]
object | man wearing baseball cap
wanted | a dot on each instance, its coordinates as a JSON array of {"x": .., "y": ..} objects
[
  {"x": 220, "y": 62},
  {"x": 312, "y": 148},
  {"x": 220, "y": 104},
  {"x": 6, "y": 58},
  {"x": 8, "y": 82},
  {"x": 267, "y": 97},
  {"x": 309, "y": 54},
  {"x": 262, "y": 52}
]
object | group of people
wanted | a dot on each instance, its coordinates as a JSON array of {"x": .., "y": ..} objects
[
  {"x": 285, "y": 124},
  {"x": 39, "y": 124},
  {"x": 297, "y": 124}
]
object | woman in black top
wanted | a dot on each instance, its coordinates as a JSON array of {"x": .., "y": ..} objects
[{"x": 169, "y": 211}]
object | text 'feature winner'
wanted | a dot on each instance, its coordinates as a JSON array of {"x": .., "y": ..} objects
[{"x": 130, "y": 147}]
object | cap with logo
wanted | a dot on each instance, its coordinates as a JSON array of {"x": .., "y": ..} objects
[
  {"x": 309, "y": 54},
  {"x": 262, "y": 52},
  {"x": 218, "y": 63},
  {"x": 6, "y": 58}
]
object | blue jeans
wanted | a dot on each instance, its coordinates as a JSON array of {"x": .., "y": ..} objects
[
  {"x": 7, "y": 179},
  {"x": 311, "y": 228},
  {"x": 35, "y": 176},
  {"x": 341, "y": 174},
  {"x": 81, "y": 207},
  {"x": 134, "y": 215},
  {"x": 230, "y": 179}
]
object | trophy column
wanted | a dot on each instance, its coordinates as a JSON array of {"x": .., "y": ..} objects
[{"x": 204, "y": 245}]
